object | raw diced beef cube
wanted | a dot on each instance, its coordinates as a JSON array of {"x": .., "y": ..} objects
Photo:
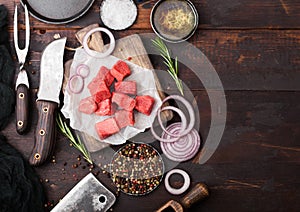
[
  {"x": 124, "y": 118},
  {"x": 87, "y": 105},
  {"x": 144, "y": 104},
  {"x": 124, "y": 101},
  {"x": 104, "y": 74},
  {"x": 120, "y": 70},
  {"x": 114, "y": 108},
  {"x": 107, "y": 128},
  {"x": 105, "y": 108},
  {"x": 99, "y": 91},
  {"x": 127, "y": 87}
]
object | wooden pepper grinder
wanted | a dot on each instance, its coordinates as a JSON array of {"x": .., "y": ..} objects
[{"x": 198, "y": 193}]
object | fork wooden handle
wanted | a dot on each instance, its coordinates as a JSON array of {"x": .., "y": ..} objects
[{"x": 22, "y": 110}]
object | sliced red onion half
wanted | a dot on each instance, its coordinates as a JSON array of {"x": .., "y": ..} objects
[
  {"x": 76, "y": 84},
  {"x": 83, "y": 70},
  {"x": 185, "y": 148},
  {"x": 175, "y": 136}
]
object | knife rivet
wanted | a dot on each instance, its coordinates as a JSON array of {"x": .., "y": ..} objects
[
  {"x": 21, "y": 95},
  {"x": 37, "y": 156},
  {"x": 45, "y": 109},
  {"x": 20, "y": 123},
  {"x": 42, "y": 132}
]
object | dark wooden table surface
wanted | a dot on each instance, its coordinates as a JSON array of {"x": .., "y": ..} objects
[{"x": 255, "y": 48}]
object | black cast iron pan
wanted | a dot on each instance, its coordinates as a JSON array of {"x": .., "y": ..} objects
[{"x": 57, "y": 11}]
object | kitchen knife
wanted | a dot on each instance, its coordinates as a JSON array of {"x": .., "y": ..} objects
[
  {"x": 88, "y": 195},
  {"x": 51, "y": 76}
]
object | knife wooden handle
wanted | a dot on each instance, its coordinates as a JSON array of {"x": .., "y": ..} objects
[
  {"x": 22, "y": 111},
  {"x": 45, "y": 133}
]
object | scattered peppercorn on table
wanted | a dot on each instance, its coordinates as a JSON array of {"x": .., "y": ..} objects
[{"x": 254, "y": 48}]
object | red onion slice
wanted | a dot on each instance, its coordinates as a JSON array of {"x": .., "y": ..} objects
[
  {"x": 83, "y": 70},
  {"x": 96, "y": 54},
  {"x": 182, "y": 117},
  {"x": 175, "y": 136},
  {"x": 184, "y": 148},
  {"x": 190, "y": 111},
  {"x": 76, "y": 84},
  {"x": 186, "y": 182}
]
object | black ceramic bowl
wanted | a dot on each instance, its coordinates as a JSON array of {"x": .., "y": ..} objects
[{"x": 57, "y": 11}]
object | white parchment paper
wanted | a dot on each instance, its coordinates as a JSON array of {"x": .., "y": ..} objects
[{"x": 86, "y": 123}]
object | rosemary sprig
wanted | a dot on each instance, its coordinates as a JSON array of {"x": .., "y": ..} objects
[
  {"x": 169, "y": 62},
  {"x": 76, "y": 142}
]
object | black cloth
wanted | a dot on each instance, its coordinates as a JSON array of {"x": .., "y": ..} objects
[
  {"x": 20, "y": 188},
  {"x": 7, "y": 95}
]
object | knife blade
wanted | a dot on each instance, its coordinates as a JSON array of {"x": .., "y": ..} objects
[{"x": 51, "y": 77}]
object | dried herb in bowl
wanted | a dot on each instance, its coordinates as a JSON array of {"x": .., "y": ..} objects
[{"x": 137, "y": 169}]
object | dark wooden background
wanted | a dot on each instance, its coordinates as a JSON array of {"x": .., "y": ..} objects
[{"x": 254, "y": 46}]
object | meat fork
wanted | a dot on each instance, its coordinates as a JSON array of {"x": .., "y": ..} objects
[{"x": 22, "y": 84}]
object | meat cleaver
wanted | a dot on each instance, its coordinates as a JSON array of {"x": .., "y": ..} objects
[
  {"x": 88, "y": 195},
  {"x": 51, "y": 77}
]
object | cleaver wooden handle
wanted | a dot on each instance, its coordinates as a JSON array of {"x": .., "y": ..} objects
[
  {"x": 22, "y": 110},
  {"x": 45, "y": 134}
]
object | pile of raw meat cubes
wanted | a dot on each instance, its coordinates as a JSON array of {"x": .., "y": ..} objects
[{"x": 117, "y": 100}]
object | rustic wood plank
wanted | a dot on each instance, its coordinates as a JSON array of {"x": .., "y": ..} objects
[
  {"x": 217, "y": 14},
  {"x": 244, "y": 60},
  {"x": 254, "y": 47},
  {"x": 257, "y": 160}
]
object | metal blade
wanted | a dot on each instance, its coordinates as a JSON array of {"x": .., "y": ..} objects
[
  {"x": 21, "y": 53},
  {"x": 88, "y": 195},
  {"x": 22, "y": 79},
  {"x": 52, "y": 71}
]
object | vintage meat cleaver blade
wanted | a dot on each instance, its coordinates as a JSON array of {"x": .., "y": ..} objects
[
  {"x": 88, "y": 195},
  {"x": 51, "y": 77}
]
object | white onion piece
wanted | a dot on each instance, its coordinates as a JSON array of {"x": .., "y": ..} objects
[
  {"x": 174, "y": 138},
  {"x": 96, "y": 54},
  {"x": 83, "y": 70},
  {"x": 182, "y": 117},
  {"x": 184, "y": 148},
  {"x": 190, "y": 111},
  {"x": 76, "y": 84}
]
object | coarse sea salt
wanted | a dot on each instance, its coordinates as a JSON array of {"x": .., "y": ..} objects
[{"x": 118, "y": 14}]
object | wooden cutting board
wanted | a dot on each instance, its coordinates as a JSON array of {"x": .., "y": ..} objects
[{"x": 130, "y": 47}]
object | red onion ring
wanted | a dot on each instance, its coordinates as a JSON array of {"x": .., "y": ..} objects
[
  {"x": 174, "y": 138},
  {"x": 190, "y": 111},
  {"x": 76, "y": 84},
  {"x": 96, "y": 54},
  {"x": 186, "y": 182},
  {"x": 184, "y": 148},
  {"x": 83, "y": 70},
  {"x": 182, "y": 117}
]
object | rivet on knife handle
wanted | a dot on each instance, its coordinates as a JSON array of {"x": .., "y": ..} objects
[
  {"x": 45, "y": 133},
  {"x": 22, "y": 112}
]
